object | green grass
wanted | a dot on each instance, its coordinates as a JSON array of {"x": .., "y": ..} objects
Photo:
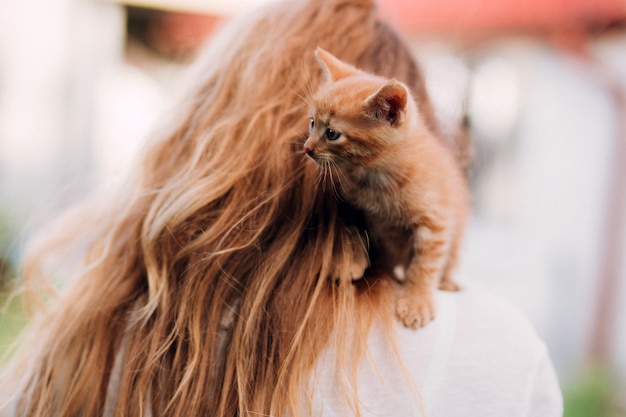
[
  {"x": 594, "y": 393},
  {"x": 12, "y": 321}
]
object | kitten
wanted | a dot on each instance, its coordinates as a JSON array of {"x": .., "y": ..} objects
[{"x": 367, "y": 133}]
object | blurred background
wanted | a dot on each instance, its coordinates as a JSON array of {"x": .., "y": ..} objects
[{"x": 542, "y": 84}]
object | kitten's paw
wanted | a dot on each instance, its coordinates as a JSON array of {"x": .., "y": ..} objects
[
  {"x": 357, "y": 270},
  {"x": 415, "y": 311},
  {"x": 352, "y": 272},
  {"x": 448, "y": 284}
]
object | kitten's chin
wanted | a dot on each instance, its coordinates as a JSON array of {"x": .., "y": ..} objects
[
  {"x": 318, "y": 159},
  {"x": 323, "y": 160},
  {"x": 313, "y": 158}
]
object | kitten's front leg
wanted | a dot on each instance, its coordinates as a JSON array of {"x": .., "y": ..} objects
[
  {"x": 351, "y": 257},
  {"x": 350, "y": 267},
  {"x": 415, "y": 305}
]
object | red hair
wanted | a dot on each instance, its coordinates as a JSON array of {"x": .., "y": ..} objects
[{"x": 205, "y": 286}]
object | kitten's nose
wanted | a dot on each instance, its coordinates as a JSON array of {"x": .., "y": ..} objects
[{"x": 308, "y": 151}]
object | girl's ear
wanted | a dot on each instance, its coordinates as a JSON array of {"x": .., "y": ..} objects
[
  {"x": 388, "y": 104},
  {"x": 334, "y": 69}
]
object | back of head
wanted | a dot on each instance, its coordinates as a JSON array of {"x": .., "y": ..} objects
[{"x": 205, "y": 287}]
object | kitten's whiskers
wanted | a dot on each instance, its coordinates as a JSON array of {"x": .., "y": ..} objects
[
  {"x": 335, "y": 174},
  {"x": 321, "y": 176},
  {"x": 328, "y": 174}
]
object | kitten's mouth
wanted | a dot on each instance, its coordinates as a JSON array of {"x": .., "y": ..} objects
[
  {"x": 314, "y": 156},
  {"x": 318, "y": 159}
]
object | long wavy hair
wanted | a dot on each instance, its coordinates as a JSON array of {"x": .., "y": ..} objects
[{"x": 205, "y": 286}]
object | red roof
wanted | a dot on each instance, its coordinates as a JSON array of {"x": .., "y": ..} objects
[{"x": 414, "y": 16}]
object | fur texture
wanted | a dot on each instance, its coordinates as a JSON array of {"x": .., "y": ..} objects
[
  {"x": 204, "y": 289},
  {"x": 368, "y": 131}
]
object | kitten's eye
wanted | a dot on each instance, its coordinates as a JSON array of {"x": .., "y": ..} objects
[
  {"x": 332, "y": 134},
  {"x": 311, "y": 125}
]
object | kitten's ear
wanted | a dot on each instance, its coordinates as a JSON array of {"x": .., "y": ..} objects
[
  {"x": 388, "y": 103},
  {"x": 334, "y": 69}
]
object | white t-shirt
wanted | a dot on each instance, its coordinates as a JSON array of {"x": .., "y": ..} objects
[{"x": 479, "y": 358}]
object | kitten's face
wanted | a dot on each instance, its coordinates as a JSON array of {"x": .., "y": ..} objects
[
  {"x": 338, "y": 132},
  {"x": 356, "y": 118}
]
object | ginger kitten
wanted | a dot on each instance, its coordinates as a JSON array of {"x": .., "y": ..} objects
[{"x": 366, "y": 132}]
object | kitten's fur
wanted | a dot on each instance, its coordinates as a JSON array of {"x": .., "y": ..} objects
[{"x": 367, "y": 132}]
